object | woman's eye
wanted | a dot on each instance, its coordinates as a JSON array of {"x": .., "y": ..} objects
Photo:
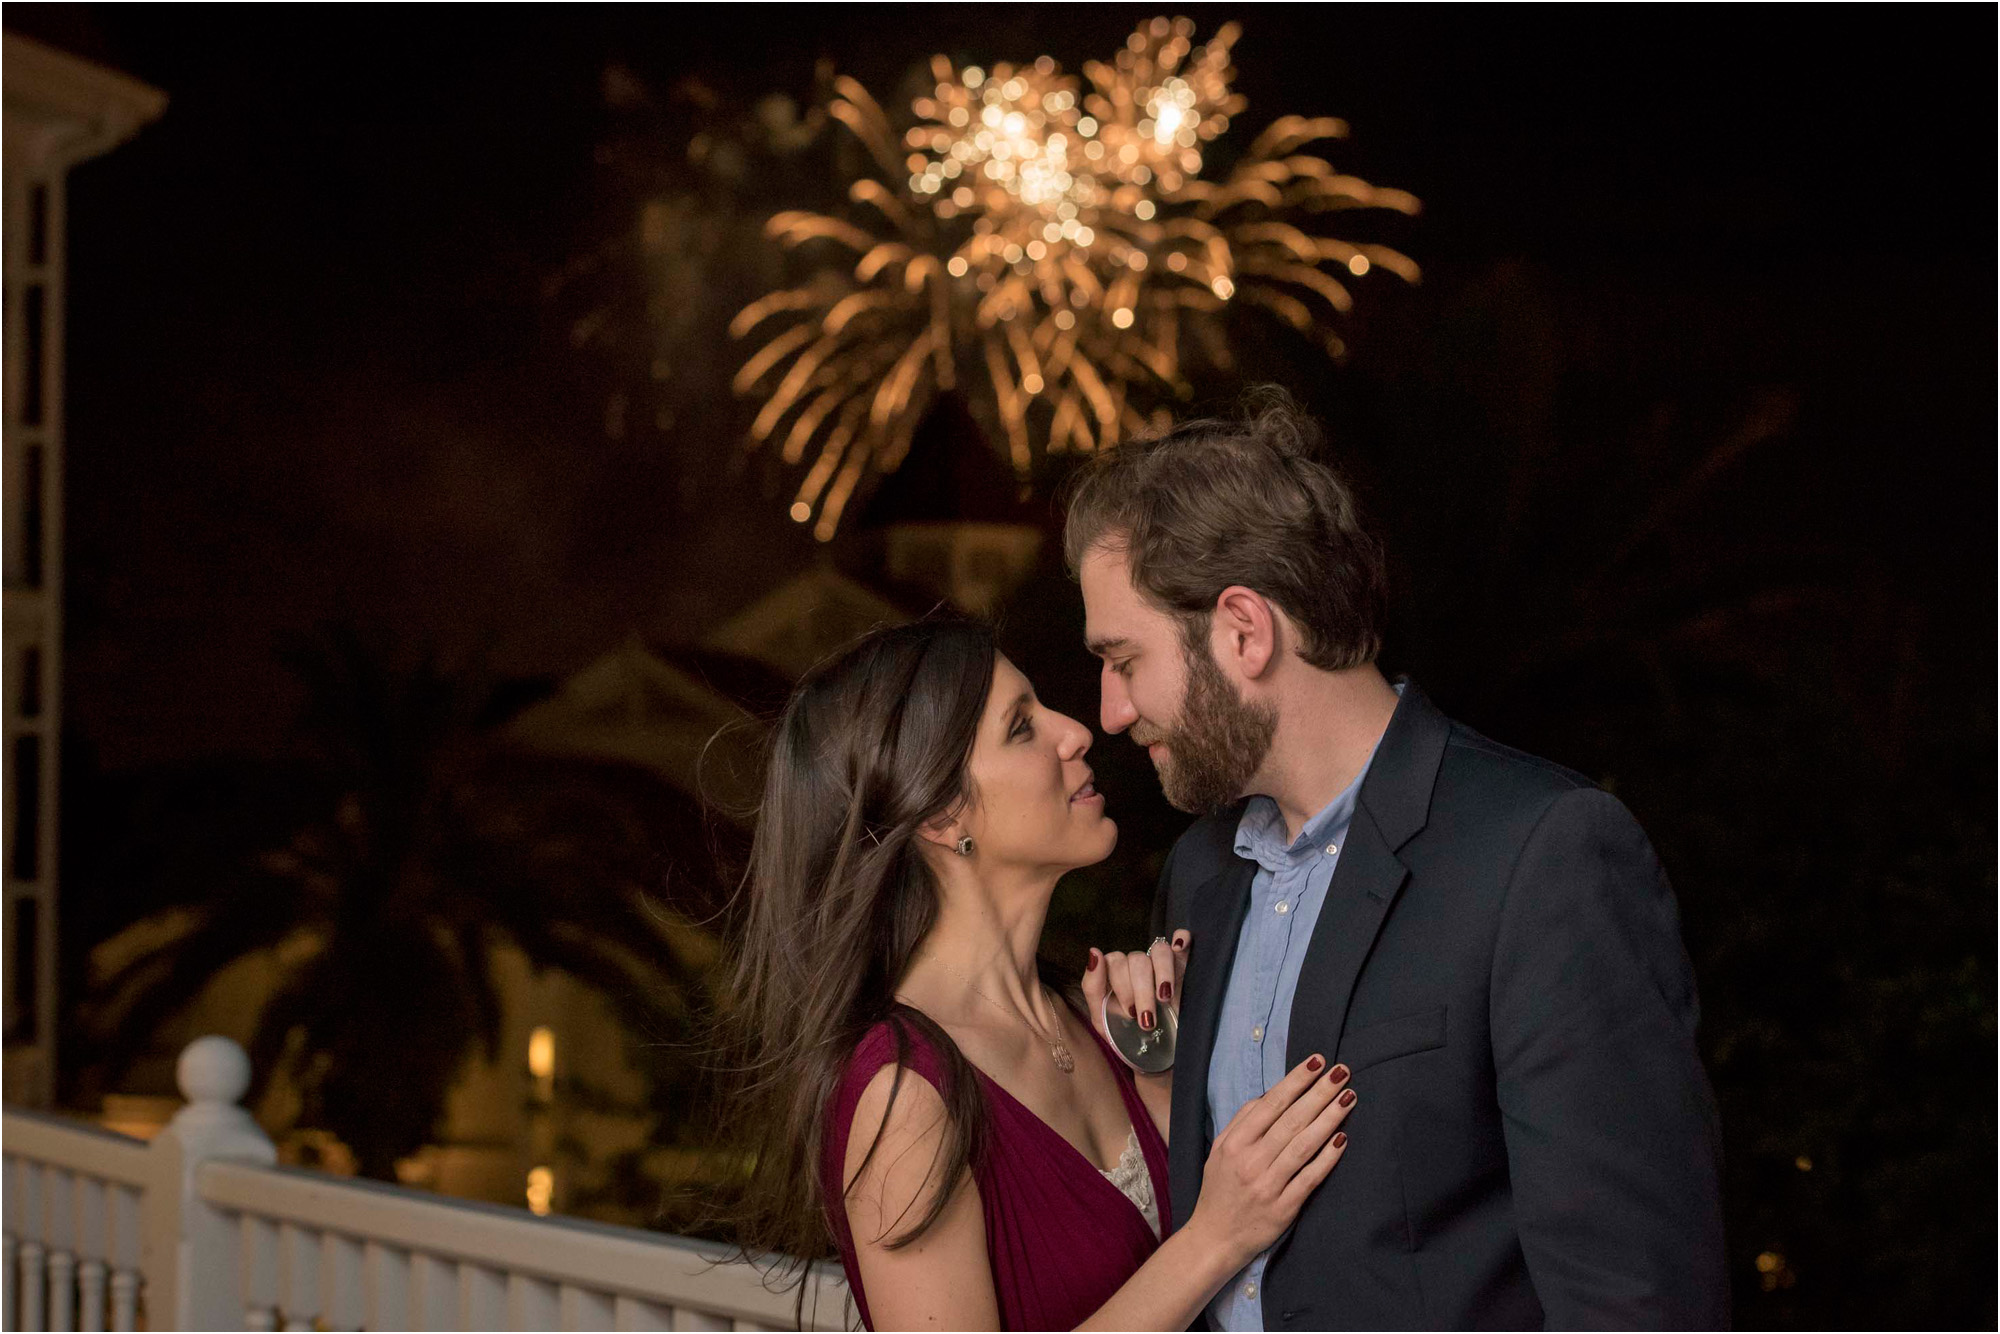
[{"x": 1022, "y": 730}]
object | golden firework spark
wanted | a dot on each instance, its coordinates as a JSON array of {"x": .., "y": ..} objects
[
  {"x": 1160, "y": 99},
  {"x": 1048, "y": 246}
]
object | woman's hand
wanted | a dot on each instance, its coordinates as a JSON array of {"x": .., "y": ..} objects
[
  {"x": 1136, "y": 982},
  {"x": 1270, "y": 1157}
]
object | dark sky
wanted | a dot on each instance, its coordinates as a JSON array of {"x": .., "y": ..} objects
[{"x": 314, "y": 370}]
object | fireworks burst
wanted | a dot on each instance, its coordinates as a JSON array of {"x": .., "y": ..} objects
[{"x": 1048, "y": 246}]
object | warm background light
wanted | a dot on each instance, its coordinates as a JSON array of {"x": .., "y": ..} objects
[
  {"x": 542, "y": 1053},
  {"x": 1044, "y": 244},
  {"x": 541, "y": 1189}
]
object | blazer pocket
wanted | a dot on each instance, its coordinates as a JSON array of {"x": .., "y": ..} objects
[{"x": 1385, "y": 1041}]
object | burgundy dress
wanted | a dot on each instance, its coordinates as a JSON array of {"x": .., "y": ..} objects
[{"x": 1060, "y": 1237}]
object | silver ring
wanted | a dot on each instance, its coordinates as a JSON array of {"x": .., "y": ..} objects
[{"x": 1157, "y": 940}]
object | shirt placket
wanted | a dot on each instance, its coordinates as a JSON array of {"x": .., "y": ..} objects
[
  {"x": 1276, "y": 934},
  {"x": 1280, "y": 914}
]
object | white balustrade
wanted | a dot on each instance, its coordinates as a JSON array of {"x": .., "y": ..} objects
[
  {"x": 203, "y": 1226},
  {"x": 71, "y": 1207},
  {"x": 426, "y": 1262}
]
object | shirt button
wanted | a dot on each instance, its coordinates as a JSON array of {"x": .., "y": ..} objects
[
  {"x": 1250, "y": 1292},
  {"x": 1332, "y": 848},
  {"x": 1257, "y": 1033},
  {"x": 1284, "y": 908}
]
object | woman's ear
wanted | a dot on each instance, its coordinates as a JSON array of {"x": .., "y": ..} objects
[{"x": 943, "y": 831}]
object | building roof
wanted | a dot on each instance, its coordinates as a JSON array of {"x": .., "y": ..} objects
[
  {"x": 694, "y": 713},
  {"x": 799, "y": 623},
  {"x": 633, "y": 707},
  {"x": 63, "y": 109}
]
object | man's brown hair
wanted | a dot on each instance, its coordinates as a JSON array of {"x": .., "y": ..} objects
[{"x": 1244, "y": 500}]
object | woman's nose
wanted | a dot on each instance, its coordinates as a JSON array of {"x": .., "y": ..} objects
[{"x": 1076, "y": 740}]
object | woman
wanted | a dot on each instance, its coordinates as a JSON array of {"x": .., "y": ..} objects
[{"x": 920, "y": 1096}]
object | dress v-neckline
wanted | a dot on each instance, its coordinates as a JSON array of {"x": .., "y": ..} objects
[{"x": 1128, "y": 1097}]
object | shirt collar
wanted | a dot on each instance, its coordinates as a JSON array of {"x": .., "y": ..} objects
[{"x": 1260, "y": 833}]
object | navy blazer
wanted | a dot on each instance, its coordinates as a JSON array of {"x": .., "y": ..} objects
[{"x": 1499, "y": 963}]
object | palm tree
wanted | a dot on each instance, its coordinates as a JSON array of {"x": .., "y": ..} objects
[{"x": 432, "y": 845}]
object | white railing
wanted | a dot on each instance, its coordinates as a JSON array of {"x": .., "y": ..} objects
[
  {"x": 199, "y": 1229},
  {"x": 73, "y": 1207}
]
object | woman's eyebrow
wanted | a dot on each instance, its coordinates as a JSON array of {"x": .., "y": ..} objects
[{"x": 1015, "y": 707}]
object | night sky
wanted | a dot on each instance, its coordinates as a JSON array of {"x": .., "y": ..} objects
[
  {"x": 315, "y": 369},
  {"x": 1683, "y": 451}
]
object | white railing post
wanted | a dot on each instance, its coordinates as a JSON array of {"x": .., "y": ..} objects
[
  {"x": 61, "y": 1212},
  {"x": 34, "y": 1285},
  {"x": 193, "y": 1248}
]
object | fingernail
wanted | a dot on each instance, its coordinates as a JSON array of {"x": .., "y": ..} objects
[
  {"x": 1131, "y": 1013},
  {"x": 1314, "y": 1063},
  {"x": 1340, "y": 1139},
  {"x": 1146, "y": 1019},
  {"x": 1091, "y": 966},
  {"x": 1180, "y": 942},
  {"x": 1337, "y": 1075},
  {"x": 1346, "y": 1098},
  {"x": 1166, "y": 991}
]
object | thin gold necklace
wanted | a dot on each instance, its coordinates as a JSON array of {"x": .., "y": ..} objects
[{"x": 1058, "y": 1049}]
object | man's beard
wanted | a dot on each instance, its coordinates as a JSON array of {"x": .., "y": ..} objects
[{"x": 1218, "y": 744}]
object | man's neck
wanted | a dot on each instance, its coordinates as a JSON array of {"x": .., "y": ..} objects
[{"x": 1328, "y": 725}]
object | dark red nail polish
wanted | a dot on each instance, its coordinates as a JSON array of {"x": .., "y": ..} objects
[
  {"x": 1337, "y": 1075},
  {"x": 1146, "y": 1019},
  {"x": 1346, "y": 1098},
  {"x": 1166, "y": 991},
  {"x": 1340, "y": 1139},
  {"x": 1091, "y": 966},
  {"x": 1313, "y": 1063}
]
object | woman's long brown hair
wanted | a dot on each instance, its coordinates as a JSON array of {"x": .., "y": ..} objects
[{"x": 834, "y": 903}]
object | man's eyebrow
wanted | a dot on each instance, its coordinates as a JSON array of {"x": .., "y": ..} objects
[{"x": 1100, "y": 647}]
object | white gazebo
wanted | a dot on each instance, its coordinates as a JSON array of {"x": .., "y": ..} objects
[{"x": 59, "y": 111}]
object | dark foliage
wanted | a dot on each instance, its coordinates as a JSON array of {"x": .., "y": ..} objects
[{"x": 413, "y": 844}]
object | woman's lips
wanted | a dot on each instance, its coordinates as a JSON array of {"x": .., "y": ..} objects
[{"x": 1088, "y": 792}]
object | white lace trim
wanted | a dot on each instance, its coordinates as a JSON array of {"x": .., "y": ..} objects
[{"x": 1134, "y": 1181}]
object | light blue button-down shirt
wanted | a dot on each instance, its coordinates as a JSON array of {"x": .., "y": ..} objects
[{"x": 1286, "y": 895}]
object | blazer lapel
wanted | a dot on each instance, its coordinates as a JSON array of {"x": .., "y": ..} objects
[
  {"x": 1392, "y": 807},
  {"x": 1366, "y": 882},
  {"x": 1215, "y": 914}
]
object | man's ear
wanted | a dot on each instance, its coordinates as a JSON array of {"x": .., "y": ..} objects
[{"x": 1246, "y": 630}]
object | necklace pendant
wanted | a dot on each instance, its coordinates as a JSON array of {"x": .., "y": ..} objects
[{"x": 1059, "y": 1052}]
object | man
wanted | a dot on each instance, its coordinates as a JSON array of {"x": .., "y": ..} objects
[{"x": 1484, "y": 939}]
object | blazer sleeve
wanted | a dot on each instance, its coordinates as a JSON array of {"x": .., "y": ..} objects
[{"x": 1613, "y": 1138}]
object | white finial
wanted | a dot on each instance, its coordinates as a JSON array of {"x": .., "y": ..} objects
[
  {"x": 213, "y": 1069},
  {"x": 192, "y": 1246}
]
